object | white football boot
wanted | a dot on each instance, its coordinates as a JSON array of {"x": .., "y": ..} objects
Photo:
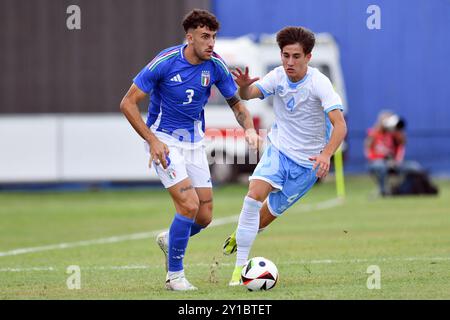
[
  {"x": 162, "y": 240},
  {"x": 179, "y": 283}
]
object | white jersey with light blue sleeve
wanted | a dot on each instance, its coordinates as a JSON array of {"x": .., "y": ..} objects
[{"x": 301, "y": 128}]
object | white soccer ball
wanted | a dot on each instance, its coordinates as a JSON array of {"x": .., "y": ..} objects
[{"x": 259, "y": 274}]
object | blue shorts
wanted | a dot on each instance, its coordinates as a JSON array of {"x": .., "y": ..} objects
[{"x": 291, "y": 180}]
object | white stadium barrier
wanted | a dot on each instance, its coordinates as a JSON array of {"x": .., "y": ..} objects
[{"x": 59, "y": 148}]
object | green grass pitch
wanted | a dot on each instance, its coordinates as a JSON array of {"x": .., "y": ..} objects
[{"x": 320, "y": 254}]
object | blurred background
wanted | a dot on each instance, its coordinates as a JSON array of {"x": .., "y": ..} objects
[
  {"x": 65, "y": 66},
  {"x": 60, "y": 88}
]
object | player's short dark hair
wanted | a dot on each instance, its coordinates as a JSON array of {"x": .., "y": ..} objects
[
  {"x": 200, "y": 18},
  {"x": 292, "y": 35}
]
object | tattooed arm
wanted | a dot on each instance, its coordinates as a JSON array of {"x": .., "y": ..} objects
[
  {"x": 241, "y": 113},
  {"x": 245, "y": 120}
]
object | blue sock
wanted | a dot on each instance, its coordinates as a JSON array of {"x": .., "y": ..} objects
[
  {"x": 179, "y": 232},
  {"x": 196, "y": 228}
]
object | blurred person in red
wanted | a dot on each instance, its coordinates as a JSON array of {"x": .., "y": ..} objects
[{"x": 384, "y": 148}]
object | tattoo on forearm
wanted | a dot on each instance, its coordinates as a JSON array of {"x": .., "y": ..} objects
[
  {"x": 241, "y": 117},
  {"x": 186, "y": 189},
  {"x": 232, "y": 101},
  {"x": 202, "y": 202}
]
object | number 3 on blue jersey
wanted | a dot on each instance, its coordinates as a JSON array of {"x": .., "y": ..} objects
[{"x": 190, "y": 94}]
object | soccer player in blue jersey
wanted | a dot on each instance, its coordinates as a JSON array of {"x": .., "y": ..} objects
[
  {"x": 179, "y": 80},
  {"x": 306, "y": 107}
]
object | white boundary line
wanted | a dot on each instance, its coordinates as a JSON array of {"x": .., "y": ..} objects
[
  {"x": 229, "y": 264},
  {"x": 145, "y": 235}
]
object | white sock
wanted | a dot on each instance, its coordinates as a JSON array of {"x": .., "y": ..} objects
[
  {"x": 247, "y": 229},
  {"x": 175, "y": 274}
]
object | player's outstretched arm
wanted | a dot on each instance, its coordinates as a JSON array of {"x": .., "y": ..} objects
[
  {"x": 322, "y": 161},
  {"x": 129, "y": 107},
  {"x": 247, "y": 90}
]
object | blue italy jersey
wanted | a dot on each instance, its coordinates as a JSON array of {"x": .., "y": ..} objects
[{"x": 179, "y": 91}]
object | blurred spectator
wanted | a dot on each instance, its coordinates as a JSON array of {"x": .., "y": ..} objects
[{"x": 385, "y": 150}]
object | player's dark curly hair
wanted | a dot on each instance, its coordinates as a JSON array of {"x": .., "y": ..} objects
[
  {"x": 200, "y": 18},
  {"x": 292, "y": 35}
]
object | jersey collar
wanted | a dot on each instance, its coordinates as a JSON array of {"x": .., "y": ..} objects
[
  {"x": 182, "y": 51},
  {"x": 293, "y": 85},
  {"x": 184, "y": 58}
]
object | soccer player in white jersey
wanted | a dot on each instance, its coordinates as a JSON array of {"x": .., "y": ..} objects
[
  {"x": 300, "y": 143},
  {"x": 179, "y": 80}
]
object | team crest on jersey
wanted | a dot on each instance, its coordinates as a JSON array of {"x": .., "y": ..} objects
[
  {"x": 206, "y": 78},
  {"x": 303, "y": 93},
  {"x": 280, "y": 89}
]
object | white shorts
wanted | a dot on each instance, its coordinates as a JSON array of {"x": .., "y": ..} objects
[{"x": 184, "y": 163}]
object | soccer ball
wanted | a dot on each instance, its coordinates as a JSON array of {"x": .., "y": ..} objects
[{"x": 259, "y": 274}]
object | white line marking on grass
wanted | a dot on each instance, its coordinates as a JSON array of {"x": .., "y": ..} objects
[
  {"x": 327, "y": 204},
  {"x": 66, "y": 245},
  {"x": 228, "y": 264},
  {"x": 331, "y": 261},
  {"x": 145, "y": 235},
  {"x": 27, "y": 269}
]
